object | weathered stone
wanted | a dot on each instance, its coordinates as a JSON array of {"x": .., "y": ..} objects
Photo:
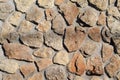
[
  {"x": 107, "y": 51},
  {"x": 23, "y": 5},
  {"x": 13, "y": 37},
  {"x": 59, "y": 24},
  {"x": 102, "y": 5},
  {"x": 5, "y": 10},
  {"x": 26, "y": 27},
  {"x": 113, "y": 66},
  {"x": 78, "y": 78},
  {"x": 61, "y": 57},
  {"x": 18, "y": 51},
  {"x": 35, "y": 14},
  {"x": 111, "y": 2},
  {"x": 82, "y": 3},
  {"x": 74, "y": 37},
  {"x": 44, "y": 63},
  {"x": 43, "y": 52},
  {"x": 118, "y": 4},
  {"x": 46, "y": 3},
  {"x": 53, "y": 40},
  {"x": 15, "y": 18},
  {"x": 27, "y": 69},
  {"x": 95, "y": 33},
  {"x": 96, "y": 78},
  {"x": 77, "y": 64},
  {"x": 95, "y": 65},
  {"x": 9, "y": 66},
  {"x": 59, "y": 2},
  {"x": 118, "y": 76},
  {"x": 90, "y": 16},
  {"x": 36, "y": 76},
  {"x": 101, "y": 19},
  {"x": 1, "y": 53},
  {"x": 32, "y": 39},
  {"x": 44, "y": 26},
  {"x": 70, "y": 12},
  {"x": 3, "y": 1},
  {"x": 55, "y": 72}
]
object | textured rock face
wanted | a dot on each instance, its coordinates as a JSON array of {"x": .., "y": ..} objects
[
  {"x": 36, "y": 76},
  {"x": 46, "y": 3}
]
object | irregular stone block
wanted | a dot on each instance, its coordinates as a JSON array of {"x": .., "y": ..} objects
[
  {"x": 36, "y": 76},
  {"x": 46, "y": 3}
]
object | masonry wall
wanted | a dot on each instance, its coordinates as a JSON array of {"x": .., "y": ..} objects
[{"x": 59, "y": 39}]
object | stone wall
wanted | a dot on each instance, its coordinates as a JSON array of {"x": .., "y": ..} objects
[{"x": 59, "y": 39}]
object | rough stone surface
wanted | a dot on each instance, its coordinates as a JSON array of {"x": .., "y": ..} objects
[
  {"x": 77, "y": 64},
  {"x": 118, "y": 75},
  {"x": 18, "y": 51},
  {"x": 61, "y": 57},
  {"x": 55, "y": 72},
  {"x": 74, "y": 37},
  {"x": 59, "y": 2},
  {"x": 101, "y": 19},
  {"x": 46, "y": 3},
  {"x": 82, "y": 3},
  {"x": 36, "y": 76},
  {"x": 96, "y": 78}
]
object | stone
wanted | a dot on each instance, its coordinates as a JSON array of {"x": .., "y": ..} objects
[
  {"x": 15, "y": 18},
  {"x": 101, "y": 5},
  {"x": 24, "y": 5},
  {"x": 77, "y": 64},
  {"x": 74, "y": 37},
  {"x": 96, "y": 78},
  {"x": 26, "y": 27},
  {"x": 36, "y": 76},
  {"x": 32, "y": 39},
  {"x": 59, "y": 2},
  {"x": 43, "y": 52},
  {"x": 55, "y": 72},
  {"x": 13, "y": 37},
  {"x": 111, "y": 2},
  {"x": 107, "y": 52},
  {"x": 44, "y": 63},
  {"x": 1, "y": 53},
  {"x": 94, "y": 65},
  {"x": 118, "y": 5},
  {"x": 35, "y": 14},
  {"x": 101, "y": 19},
  {"x": 82, "y": 3},
  {"x": 53, "y": 40},
  {"x": 78, "y": 78},
  {"x": 3, "y": 1},
  {"x": 89, "y": 17},
  {"x": 27, "y": 69},
  {"x": 118, "y": 76},
  {"x": 95, "y": 33},
  {"x": 61, "y": 57},
  {"x": 70, "y": 12},
  {"x": 46, "y": 3},
  {"x": 5, "y": 10},
  {"x": 9, "y": 66},
  {"x": 18, "y": 51},
  {"x": 113, "y": 66},
  {"x": 44, "y": 26}
]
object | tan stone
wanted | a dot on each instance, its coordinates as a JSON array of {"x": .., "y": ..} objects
[
  {"x": 27, "y": 69},
  {"x": 118, "y": 76},
  {"x": 74, "y": 37},
  {"x": 44, "y": 63},
  {"x": 36, "y": 76},
  {"x": 82, "y": 3},
  {"x": 18, "y": 51},
  {"x": 78, "y": 78},
  {"x": 118, "y": 4},
  {"x": 112, "y": 2},
  {"x": 70, "y": 12},
  {"x": 46, "y": 3},
  {"x": 59, "y": 2},
  {"x": 96, "y": 78},
  {"x": 101, "y": 19},
  {"x": 77, "y": 64},
  {"x": 61, "y": 57},
  {"x": 95, "y": 34}
]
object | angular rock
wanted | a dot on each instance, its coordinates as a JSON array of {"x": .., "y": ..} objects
[
  {"x": 36, "y": 76},
  {"x": 101, "y": 19},
  {"x": 70, "y": 12},
  {"x": 59, "y": 24},
  {"x": 18, "y": 51},
  {"x": 32, "y": 39},
  {"x": 107, "y": 51},
  {"x": 44, "y": 26},
  {"x": 53, "y": 40},
  {"x": 95, "y": 65},
  {"x": 24, "y": 5},
  {"x": 89, "y": 17},
  {"x": 102, "y": 5},
  {"x": 35, "y": 14},
  {"x": 61, "y": 57},
  {"x": 82, "y": 3},
  {"x": 74, "y": 37},
  {"x": 27, "y": 69},
  {"x": 55, "y": 72},
  {"x": 44, "y": 63},
  {"x": 15, "y": 18},
  {"x": 9, "y": 66},
  {"x": 46, "y": 3},
  {"x": 113, "y": 67},
  {"x": 95, "y": 34},
  {"x": 77, "y": 64}
]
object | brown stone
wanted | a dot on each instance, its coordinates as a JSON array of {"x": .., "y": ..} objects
[
  {"x": 96, "y": 78},
  {"x": 81, "y": 3},
  {"x": 46, "y": 3},
  {"x": 70, "y": 12},
  {"x": 27, "y": 69},
  {"x": 59, "y": 2},
  {"x": 74, "y": 37},
  {"x": 95, "y": 34},
  {"x": 101, "y": 19},
  {"x": 77, "y": 64},
  {"x": 36, "y": 76},
  {"x": 44, "y": 63},
  {"x": 18, "y": 51}
]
